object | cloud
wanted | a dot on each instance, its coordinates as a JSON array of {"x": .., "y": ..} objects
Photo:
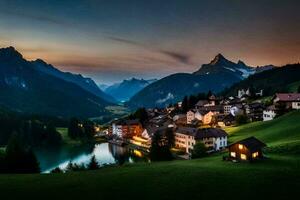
[
  {"x": 179, "y": 57},
  {"x": 37, "y": 17}
]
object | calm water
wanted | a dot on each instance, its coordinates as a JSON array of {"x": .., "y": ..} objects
[{"x": 105, "y": 153}]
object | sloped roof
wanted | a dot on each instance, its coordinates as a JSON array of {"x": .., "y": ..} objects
[
  {"x": 210, "y": 132},
  {"x": 251, "y": 143},
  {"x": 288, "y": 96}
]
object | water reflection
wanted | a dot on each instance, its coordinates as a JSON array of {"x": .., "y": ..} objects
[{"x": 105, "y": 153}]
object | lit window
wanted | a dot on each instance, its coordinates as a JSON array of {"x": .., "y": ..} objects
[
  {"x": 255, "y": 154},
  {"x": 233, "y": 154},
  {"x": 243, "y": 157},
  {"x": 241, "y": 146}
]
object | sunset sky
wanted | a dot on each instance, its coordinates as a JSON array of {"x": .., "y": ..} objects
[{"x": 112, "y": 40}]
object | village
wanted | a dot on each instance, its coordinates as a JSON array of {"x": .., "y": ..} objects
[{"x": 205, "y": 122}]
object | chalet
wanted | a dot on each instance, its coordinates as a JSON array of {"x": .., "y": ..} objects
[
  {"x": 269, "y": 113},
  {"x": 290, "y": 100},
  {"x": 243, "y": 92},
  {"x": 248, "y": 149},
  {"x": 186, "y": 138}
]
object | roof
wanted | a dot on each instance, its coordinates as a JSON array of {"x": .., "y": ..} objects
[
  {"x": 210, "y": 132},
  {"x": 201, "y": 133},
  {"x": 187, "y": 130},
  {"x": 288, "y": 96},
  {"x": 202, "y": 102},
  {"x": 251, "y": 143}
]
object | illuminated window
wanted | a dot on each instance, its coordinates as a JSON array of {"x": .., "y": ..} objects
[
  {"x": 233, "y": 154},
  {"x": 255, "y": 154},
  {"x": 241, "y": 146},
  {"x": 243, "y": 157}
]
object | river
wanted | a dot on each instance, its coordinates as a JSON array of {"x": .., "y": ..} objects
[{"x": 105, "y": 154}]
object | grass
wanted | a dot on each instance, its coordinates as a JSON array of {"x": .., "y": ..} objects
[
  {"x": 278, "y": 133},
  {"x": 209, "y": 178},
  {"x": 293, "y": 87},
  {"x": 66, "y": 139}
]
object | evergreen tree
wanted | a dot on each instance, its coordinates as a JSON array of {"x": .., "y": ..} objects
[
  {"x": 52, "y": 136},
  {"x": 93, "y": 163},
  {"x": 19, "y": 158},
  {"x": 184, "y": 105},
  {"x": 160, "y": 149},
  {"x": 199, "y": 150},
  {"x": 88, "y": 127},
  {"x": 75, "y": 130},
  {"x": 170, "y": 136}
]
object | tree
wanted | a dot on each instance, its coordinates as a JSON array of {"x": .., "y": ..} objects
[
  {"x": 19, "y": 158},
  {"x": 52, "y": 137},
  {"x": 141, "y": 114},
  {"x": 160, "y": 149},
  {"x": 170, "y": 137},
  {"x": 56, "y": 170},
  {"x": 298, "y": 90},
  {"x": 75, "y": 129},
  {"x": 184, "y": 105},
  {"x": 199, "y": 150},
  {"x": 88, "y": 127},
  {"x": 241, "y": 119},
  {"x": 93, "y": 165}
]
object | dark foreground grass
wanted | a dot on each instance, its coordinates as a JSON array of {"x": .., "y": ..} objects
[{"x": 275, "y": 178}]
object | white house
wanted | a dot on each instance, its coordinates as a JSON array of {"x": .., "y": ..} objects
[
  {"x": 269, "y": 113},
  {"x": 117, "y": 129},
  {"x": 214, "y": 139}
]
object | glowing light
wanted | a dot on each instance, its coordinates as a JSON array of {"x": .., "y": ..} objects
[
  {"x": 243, "y": 157},
  {"x": 233, "y": 154},
  {"x": 241, "y": 146},
  {"x": 138, "y": 153},
  {"x": 255, "y": 154}
]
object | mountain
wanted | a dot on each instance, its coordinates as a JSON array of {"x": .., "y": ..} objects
[
  {"x": 85, "y": 83},
  {"x": 103, "y": 86},
  {"x": 126, "y": 89},
  {"x": 219, "y": 74},
  {"x": 221, "y": 65},
  {"x": 264, "y": 68},
  {"x": 278, "y": 79},
  {"x": 24, "y": 88}
]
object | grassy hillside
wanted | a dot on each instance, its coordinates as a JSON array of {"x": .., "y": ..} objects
[
  {"x": 279, "y": 134},
  {"x": 209, "y": 178}
]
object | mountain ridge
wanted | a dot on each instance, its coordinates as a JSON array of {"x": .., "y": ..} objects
[
  {"x": 28, "y": 90},
  {"x": 215, "y": 76}
]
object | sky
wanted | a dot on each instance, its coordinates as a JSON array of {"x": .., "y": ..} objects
[{"x": 111, "y": 40}]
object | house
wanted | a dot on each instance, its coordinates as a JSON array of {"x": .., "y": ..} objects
[
  {"x": 248, "y": 149},
  {"x": 255, "y": 111},
  {"x": 223, "y": 120},
  {"x": 126, "y": 129},
  {"x": 289, "y": 100},
  {"x": 193, "y": 115},
  {"x": 243, "y": 92},
  {"x": 186, "y": 137},
  {"x": 269, "y": 113}
]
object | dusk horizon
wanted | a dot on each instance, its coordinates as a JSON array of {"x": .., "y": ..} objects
[{"x": 116, "y": 40}]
